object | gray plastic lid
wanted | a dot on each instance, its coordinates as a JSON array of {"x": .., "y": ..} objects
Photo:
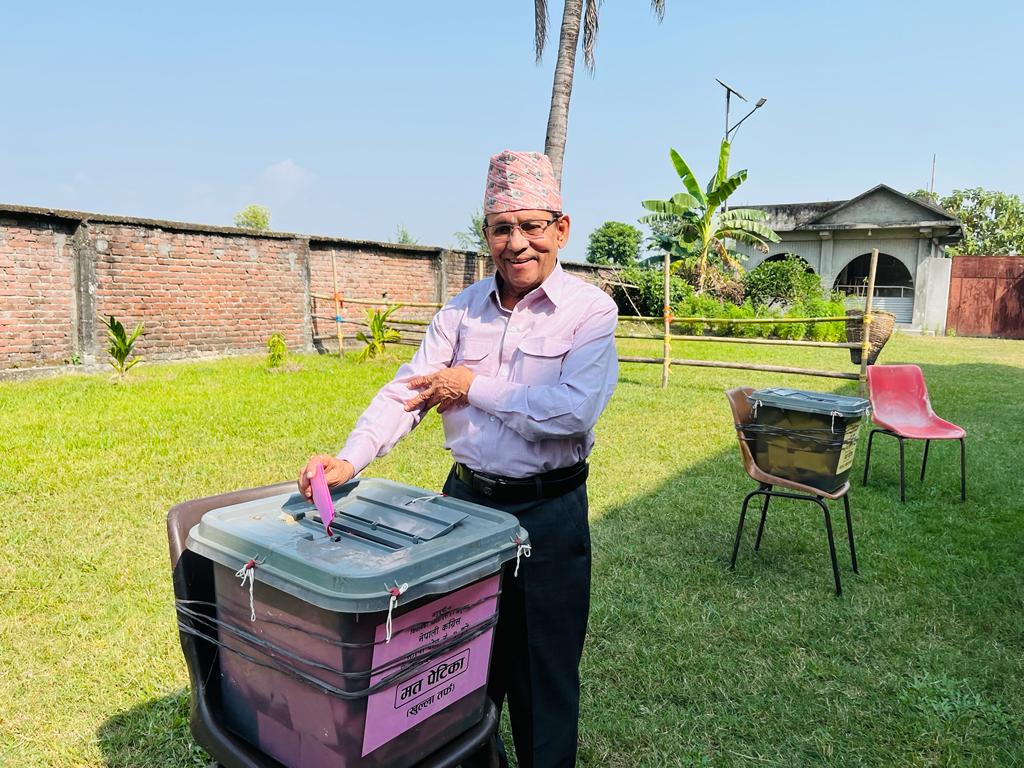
[
  {"x": 823, "y": 403},
  {"x": 384, "y": 534}
]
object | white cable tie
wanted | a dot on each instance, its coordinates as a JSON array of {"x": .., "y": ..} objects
[
  {"x": 395, "y": 592},
  {"x": 248, "y": 573},
  {"x": 522, "y": 550}
]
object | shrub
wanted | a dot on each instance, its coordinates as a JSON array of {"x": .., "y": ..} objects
[
  {"x": 792, "y": 331},
  {"x": 277, "y": 351},
  {"x": 781, "y": 283},
  {"x": 698, "y": 305},
  {"x": 648, "y": 291},
  {"x": 824, "y": 308}
]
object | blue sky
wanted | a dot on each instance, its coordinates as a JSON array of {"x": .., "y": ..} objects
[{"x": 349, "y": 119}]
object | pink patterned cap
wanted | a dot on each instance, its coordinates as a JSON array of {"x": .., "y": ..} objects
[{"x": 519, "y": 181}]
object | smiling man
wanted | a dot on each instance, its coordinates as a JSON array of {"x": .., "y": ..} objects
[{"x": 519, "y": 366}]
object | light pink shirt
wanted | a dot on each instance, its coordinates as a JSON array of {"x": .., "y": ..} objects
[{"x": 544, "y": 372}]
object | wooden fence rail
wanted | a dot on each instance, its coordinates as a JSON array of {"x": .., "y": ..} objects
[{"x": 666, "y": 337}]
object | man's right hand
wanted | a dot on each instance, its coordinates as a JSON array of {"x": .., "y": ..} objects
[{"x": 336, "y": 472}]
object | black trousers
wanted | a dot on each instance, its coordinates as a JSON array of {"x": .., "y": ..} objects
[{"x": 542, "y": 622}]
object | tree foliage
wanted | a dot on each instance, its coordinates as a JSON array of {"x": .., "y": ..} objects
[
  {"x": 402, "y": 236},
  {"x": 699, "y": 238},
  {"x": 255, "y": 217},
  {"x": 782, "y": 283},
  {"x": 472, "y": 238},
  {"x": 993, "y": 222},
  {"x": 614, "y": 243}
]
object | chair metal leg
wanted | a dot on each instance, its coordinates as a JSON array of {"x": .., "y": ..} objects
[
  {"x": 903, "y": 495},
  {"x": 849, "y": 532},
  {"x": 867, "y": 459},
  {"x": 925, "y": 462},
  {"x": 963, "y": 471},
  {"x": 831, "y": 545},
  {"x": 764, "y": 514},
  {"x": 739, "y": 528}
]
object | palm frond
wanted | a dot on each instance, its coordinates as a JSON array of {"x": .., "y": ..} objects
[
  {"x": 744, "y": 214},
  {"x": 590, "y": 25},
  {"x": 723, "y": 189},
  {"x": 658, "y": 6},
  {"x": 666, "y": 207},
  {"x": 723, "y": 162},
  {"x": 687, "y": 177},
  {"x": 540, "y": 27},
  {"x": 754, "y": 228}
]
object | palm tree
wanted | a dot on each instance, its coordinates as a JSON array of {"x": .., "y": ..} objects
[
  {"x": 698, "y": 232},
  {"x": 561, "y": 90}
]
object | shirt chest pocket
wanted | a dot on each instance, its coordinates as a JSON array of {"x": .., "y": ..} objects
[
  {"x": 475, "y": 356},
  {"x": 538, "y": 360}
]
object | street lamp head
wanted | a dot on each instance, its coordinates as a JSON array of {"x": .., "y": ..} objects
[{"x": 760, "y": 102}]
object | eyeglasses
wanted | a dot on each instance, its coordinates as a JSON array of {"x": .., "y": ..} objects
[{"x": 532, "y": 229}]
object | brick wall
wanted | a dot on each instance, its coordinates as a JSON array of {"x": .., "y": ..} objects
[
  {"x": 199, "y": 290},
  {"x": 36, "y": 292}
]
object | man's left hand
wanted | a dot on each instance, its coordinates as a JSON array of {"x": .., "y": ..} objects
[{"x": 446, "y": 388}]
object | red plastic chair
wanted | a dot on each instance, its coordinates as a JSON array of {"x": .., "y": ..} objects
[{"x": 901, "y": 408}]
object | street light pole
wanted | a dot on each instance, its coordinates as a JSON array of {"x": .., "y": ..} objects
[{"x": 729, "y": 91}]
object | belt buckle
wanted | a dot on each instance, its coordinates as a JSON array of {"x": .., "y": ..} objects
[{"x": 485, "y": 484}]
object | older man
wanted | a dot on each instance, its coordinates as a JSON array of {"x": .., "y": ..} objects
[{"x": 520, "y": 366}]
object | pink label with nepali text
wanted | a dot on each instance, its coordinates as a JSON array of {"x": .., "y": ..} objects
[{"x": 444, "y": 680}]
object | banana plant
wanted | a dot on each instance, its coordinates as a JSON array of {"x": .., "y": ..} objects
[
  {"x": 121, "y": 345},
  {"x": 697, "y": 232},
  {"x": 380, "y": 333}
]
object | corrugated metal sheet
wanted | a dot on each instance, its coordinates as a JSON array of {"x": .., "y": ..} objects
[{"x": 903, "y": 308}]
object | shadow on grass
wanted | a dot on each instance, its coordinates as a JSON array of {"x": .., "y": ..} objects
[
  {"x": 153, "y": 734},
  {"x": 688, "y": 663}
]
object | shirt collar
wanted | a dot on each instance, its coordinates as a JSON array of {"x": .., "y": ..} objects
[{"x": 553, "y": 286}]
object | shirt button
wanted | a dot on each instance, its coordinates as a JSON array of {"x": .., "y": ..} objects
[{"x": 493, "y": 419}]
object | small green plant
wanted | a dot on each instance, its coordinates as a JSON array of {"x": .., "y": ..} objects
[
  {"x": 121, "y": 345},
  {"x": 277, "y": 351},
  {"x": 380, "y": 333}
]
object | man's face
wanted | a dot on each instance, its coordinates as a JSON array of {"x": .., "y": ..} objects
[{"x": 525, "y": 263}]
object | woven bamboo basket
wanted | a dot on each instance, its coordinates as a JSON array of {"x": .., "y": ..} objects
[{"x": 882, "y": 324}]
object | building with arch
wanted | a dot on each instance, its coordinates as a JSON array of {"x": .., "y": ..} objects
[{"x": 835, "y": 239}]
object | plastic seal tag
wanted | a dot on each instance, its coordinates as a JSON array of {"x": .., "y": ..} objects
[{"x": 322, "y": 498}]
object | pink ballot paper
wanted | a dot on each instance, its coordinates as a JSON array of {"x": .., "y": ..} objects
[{"x": 322, "y": 498}]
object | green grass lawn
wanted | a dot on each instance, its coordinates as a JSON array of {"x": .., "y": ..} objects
[{"x": 921, "y": 662}]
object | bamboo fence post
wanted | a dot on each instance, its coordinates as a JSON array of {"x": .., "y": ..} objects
[
  {"x": 337, "y": 307},
  {"x": 865, "y": 346},
  {"x": 667, "y": 318}
]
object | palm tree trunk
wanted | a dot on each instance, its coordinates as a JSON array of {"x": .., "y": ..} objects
[{"x": 561, "y": 89}]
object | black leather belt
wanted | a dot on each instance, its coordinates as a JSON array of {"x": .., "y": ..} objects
[{"x": 546, "y": 485}]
